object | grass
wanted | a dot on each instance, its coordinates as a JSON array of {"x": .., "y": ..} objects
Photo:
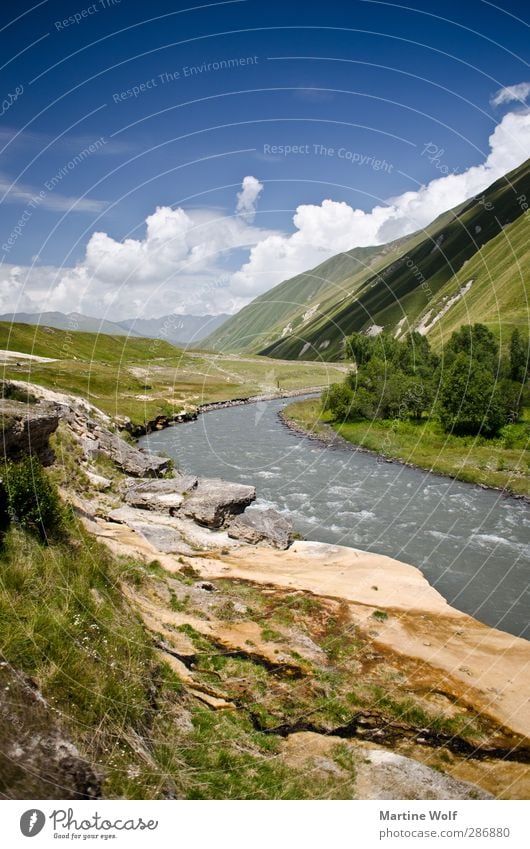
[
  {"x": 145, "y": 378},
  {"x": 502, "y": 462},
  {"x": 64, "y": 621}
]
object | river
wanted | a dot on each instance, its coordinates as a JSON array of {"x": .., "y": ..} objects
[{"x": 472, "y": 544}]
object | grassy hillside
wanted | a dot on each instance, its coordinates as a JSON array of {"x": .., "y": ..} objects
[
  {"x": 144, "y": 378},
  {"x": 284, "y": 306},
  {"x": 68, "y": 321},
  {"x": 47, "y": 341},
  {"x": 498, "y": 295},
  {"x": 420, "y": 281}
]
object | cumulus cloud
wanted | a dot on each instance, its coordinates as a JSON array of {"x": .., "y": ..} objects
[
  {"x": 176, "y": 267},
  {"x": 180, "y": 264},
  {"x": 520, "y": 92},
  {"x": 247, "y": 198},
  {"x": 330, "y": 227}
]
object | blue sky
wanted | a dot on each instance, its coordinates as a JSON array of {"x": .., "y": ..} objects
[{"x": 114, "y": 110}]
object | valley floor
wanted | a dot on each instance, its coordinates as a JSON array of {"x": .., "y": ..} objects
[{"x": 501, "y": 463}]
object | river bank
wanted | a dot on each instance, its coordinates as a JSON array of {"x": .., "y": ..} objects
[
  {"x": 163, "y": 421},
  {"x": 393, "y": 442},
  {"x": 470, "y": 543}
]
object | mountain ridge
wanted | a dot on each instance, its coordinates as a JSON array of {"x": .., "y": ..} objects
[
  {"x": 415, "y": 282},
  {"x": 173, "y": 328}
]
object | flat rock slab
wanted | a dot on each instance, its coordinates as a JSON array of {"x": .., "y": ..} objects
[
  {"x": 268, "y": 526},
  {"x": 165, "y": 495},
  {"x": 379, "y": 773},
  {"x": 387, "y": 775},
  {"x": 214, "y": 500},
  {"x": 161, "y": 535},
  {"x": 98, "y": 481}
]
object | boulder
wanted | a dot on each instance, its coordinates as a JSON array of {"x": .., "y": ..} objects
[
  {"x": 37, "y": 759},
  {"x": 99, "y": 482},
  {"x": 213, "y": 501},
  {"x": 267, "y": 526},
  {"x": 164, "y": 496},
  {"x": 26, "y": 429},
  {"x": 129, "y": 459}
]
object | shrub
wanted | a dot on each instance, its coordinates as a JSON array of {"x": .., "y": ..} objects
[
  {"x": 16, "y": 393},
  {"x": 338, "y": 400},
  {"x": 32, "y": 500}
]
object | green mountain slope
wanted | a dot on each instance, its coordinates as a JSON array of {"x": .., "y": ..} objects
[
  {"x": 68, "y": 321},
  {"x": 470, "y": 264},
  {"x": 283, "y": 308},
  {"x": 428, "y": 278}
]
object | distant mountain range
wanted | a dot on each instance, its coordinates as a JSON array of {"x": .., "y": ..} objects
[
  {"x": 176, "y": 329},
  {"x": 470, "y": 265}
]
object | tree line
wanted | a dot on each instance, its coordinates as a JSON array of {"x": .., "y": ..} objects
[{"x": 471, "y": 388}]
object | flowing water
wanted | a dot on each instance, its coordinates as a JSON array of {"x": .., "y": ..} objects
[{"x": 473, "y": 545}]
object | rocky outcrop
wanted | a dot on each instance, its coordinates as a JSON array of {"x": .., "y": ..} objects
[
  {"x": 129, "y": 459},
  {"x": 380, "y": 773},
  {"x": 37, "y": 759},
  {"x": 214, "y": 500},
  {"x": 26, "y": 429},
  {"x": 97, "y": 440},
  {"x": 268, "y": 526},
  {"x": 165, "y": 496}
]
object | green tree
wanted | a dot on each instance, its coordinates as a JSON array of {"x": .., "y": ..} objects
[
  {"x": 518, "y": 357},
  {"x": 338, "y": 400},
  {"x": 384, "y": 383},
  {"x": 360, "y": 348},
  {"x": 418, "y": 359},
  {"x": 511, "y": 399},
  {"x": 478, "y": 343},
  {"x": 469, "y": 402}
]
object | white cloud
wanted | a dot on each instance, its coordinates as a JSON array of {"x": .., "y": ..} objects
[
  {"x": 176, "y": 267},
  {"x": 247, "y": 198},
  {"x": 330, "y": 227},
  {"x": 520, "y": 92},
  {"x": 179, "y": 265}
]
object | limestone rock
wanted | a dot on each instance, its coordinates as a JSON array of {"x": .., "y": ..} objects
[
  {"x": 165, "y": 495},
  {"x": 268, "y": 526},
  {"x": 37, "y": 760},
  {"x": 379, "y": 773},
  {"x": 387, "y": 775},
  {"x": 26, "y": 429},
  {"x": 214, "y": 500},
  {"x": 129, "y": 459},
  {"x": 154, "y": 528},
  {"x": 99, "y": 482}
]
